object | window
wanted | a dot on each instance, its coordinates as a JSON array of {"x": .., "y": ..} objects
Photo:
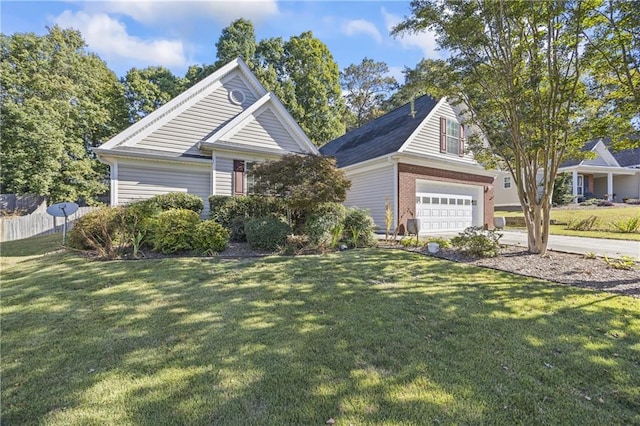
[
  {"x": 507, "y": 182},
  {"x": 580, "y": 185},
  {"x": 242, "y": 181},
  {"x": 451, "y": 137}
]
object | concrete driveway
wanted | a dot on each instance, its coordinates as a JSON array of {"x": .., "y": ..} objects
[{"x": 581, "y": 245}]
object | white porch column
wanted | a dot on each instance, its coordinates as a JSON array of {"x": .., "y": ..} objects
[
  {"x": 610, "y": 186},
  {"x": 574, "y": 184},
  {"x": 214, "y": 161}
]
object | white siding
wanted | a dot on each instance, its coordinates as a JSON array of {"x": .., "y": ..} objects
[
  {"x": 598, "y": 161},
  {"x": 224, "y": 173},
  {"x": 139, "y": 181},
  {"x": 427, "y": 140},
  {"x": 626, "y": 187},
  {"x": 370, "y": 190},
  {"x": 182, "y": 134},
  {"x": 266, "y": 131}
]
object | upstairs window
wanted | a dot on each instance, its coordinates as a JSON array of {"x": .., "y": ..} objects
[
  {"x": 507, "y": 182},
  {"x": 451, "y": 137}
]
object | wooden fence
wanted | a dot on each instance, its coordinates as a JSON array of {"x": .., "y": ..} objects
[{"x": 37, "y": 223}]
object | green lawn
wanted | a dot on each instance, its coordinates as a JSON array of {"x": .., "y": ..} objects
[
  {"x": 364, "y": 337},
  {"x": 603, "y": 228}
]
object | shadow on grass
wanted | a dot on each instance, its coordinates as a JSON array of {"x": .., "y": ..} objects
[{"x": 366, "y": 336}]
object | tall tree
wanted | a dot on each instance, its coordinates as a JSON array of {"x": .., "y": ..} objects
[
  {"x": 316, "y": 78},
  {"x": 516, "y": 68},
  {"x": 367, "y": 86},
  {"x": 148, "y": 89},
  {"x": 238, "y": 40},
  {"x": 613, "y": 57},
  {"x": 57, "y": 102}
]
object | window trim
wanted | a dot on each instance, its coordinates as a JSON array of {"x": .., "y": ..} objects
[
  {"x": 444, "y": 136},
  {"x": 241, "y": 182},
  {"x": 507, "y": 182}
]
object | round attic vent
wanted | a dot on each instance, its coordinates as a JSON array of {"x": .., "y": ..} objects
[{"x": 236, "y": 96}]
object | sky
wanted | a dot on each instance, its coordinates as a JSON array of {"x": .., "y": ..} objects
[{"x": 177, "y": 34}]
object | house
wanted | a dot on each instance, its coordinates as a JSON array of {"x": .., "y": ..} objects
[
  {"x": 415, "y": 161},
  {"x": 204, "y": 141},
  {"x": 614, "y": 176}
]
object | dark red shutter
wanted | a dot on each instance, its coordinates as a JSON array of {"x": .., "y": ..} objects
[
  {"x": 443, "y": 134},
  {"x": 238, "y": 177},
  {"x": 461, "y": 147}
]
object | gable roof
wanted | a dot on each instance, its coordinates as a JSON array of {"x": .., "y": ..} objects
[
  {"x": 624, "y": 158},
  {"x": 384, "y": 135},
  {"x": 133, "y": 138}
]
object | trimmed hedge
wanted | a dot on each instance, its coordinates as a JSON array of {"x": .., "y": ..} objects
[
  {"x": 210, "y": 237},
  {"x": 267, "y": 233},
  {"x": 174, "y": 230},
  {"x": 358, "y": 228},
  {"x": 325, "y": 225}
]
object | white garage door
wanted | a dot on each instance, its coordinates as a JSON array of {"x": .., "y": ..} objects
[{"x": 444, "y": 212}]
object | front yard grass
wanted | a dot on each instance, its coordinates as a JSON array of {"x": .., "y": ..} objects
[
  {"x": 605, "y": 216},
  {"x": 364, "y": 337}
]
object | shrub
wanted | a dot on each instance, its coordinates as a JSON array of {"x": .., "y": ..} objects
[
  {"x": 174, "y": 230},
  {"x": 305, "y": 181},
  {"x": 605, "y": 203},
  {"x": 358, "y": 226},
  {"x": 225, "y": 210},
  {"x": 178, "y": 200},
  {"x": 625, "y": 262},
  {"x": 590, "y": 202},
  {"x": 295, "y": 244},
  {"x": 583, "y": 224},
  {"x": 236, "y": 229},
  {"x": 324, "y": 226},
  {"x": 101, "y": 231},
  {"x": 412, "y": 242},
  {"x": 633, "y": 201},
  {"x": 627, "y": 226},
  {"x": 216, "y": 203},
  {"x": 210, "y": 237},
  {"x": 562, "y": 190},
  {"x": 478, "y": 242},
  {"x": 137, "y": 218},
  {"x": 268, "y": 232},
  {"x": 442, "y": 242}
]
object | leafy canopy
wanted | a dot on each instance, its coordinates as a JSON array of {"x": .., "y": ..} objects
[
  {"x": 304, "y": 181},
  {"x": 58, "y": 101},
  {"x": 366, "y": 86}
]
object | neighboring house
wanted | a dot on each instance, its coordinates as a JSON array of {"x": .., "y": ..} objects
[
  {"x": 414, "y": 160},
  {"x": 203, "y": 141},
  {"x": 613, "y": 176}
]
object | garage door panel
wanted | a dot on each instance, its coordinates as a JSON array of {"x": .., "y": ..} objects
[{"x": 444, "y": 212}]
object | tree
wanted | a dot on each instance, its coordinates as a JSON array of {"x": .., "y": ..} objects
[
  {"x": 613, "y": 57},
  {"x": 238, "y": 40},
  {"x": 304, "y": 181},
  {"x": 57, "y": 102},
  {"x": 316, "y": 78},
  {"x": 427, "y": 77},
  {"x": 148, "y": 89},
  {"x": 367, "y": 86},
  {"x": 516, "y": 72}
]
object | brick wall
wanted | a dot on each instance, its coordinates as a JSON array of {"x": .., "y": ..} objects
[{"x": 408, "y": 173}]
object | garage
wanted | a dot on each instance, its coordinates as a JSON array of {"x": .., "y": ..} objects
[{"x": 444, "y": 212}]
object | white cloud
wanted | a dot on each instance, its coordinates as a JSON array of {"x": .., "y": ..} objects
[
  {"x": 222, "y": 12},
  {"x": 425, "y": 40},
  {"x": 109, "y": 38},
  {"x": 360, "y": 26}
]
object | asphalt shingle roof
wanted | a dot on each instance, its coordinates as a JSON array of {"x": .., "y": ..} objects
[
  {"x": 625, "y": 157},
  {"x": 382, "y": 136}
]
